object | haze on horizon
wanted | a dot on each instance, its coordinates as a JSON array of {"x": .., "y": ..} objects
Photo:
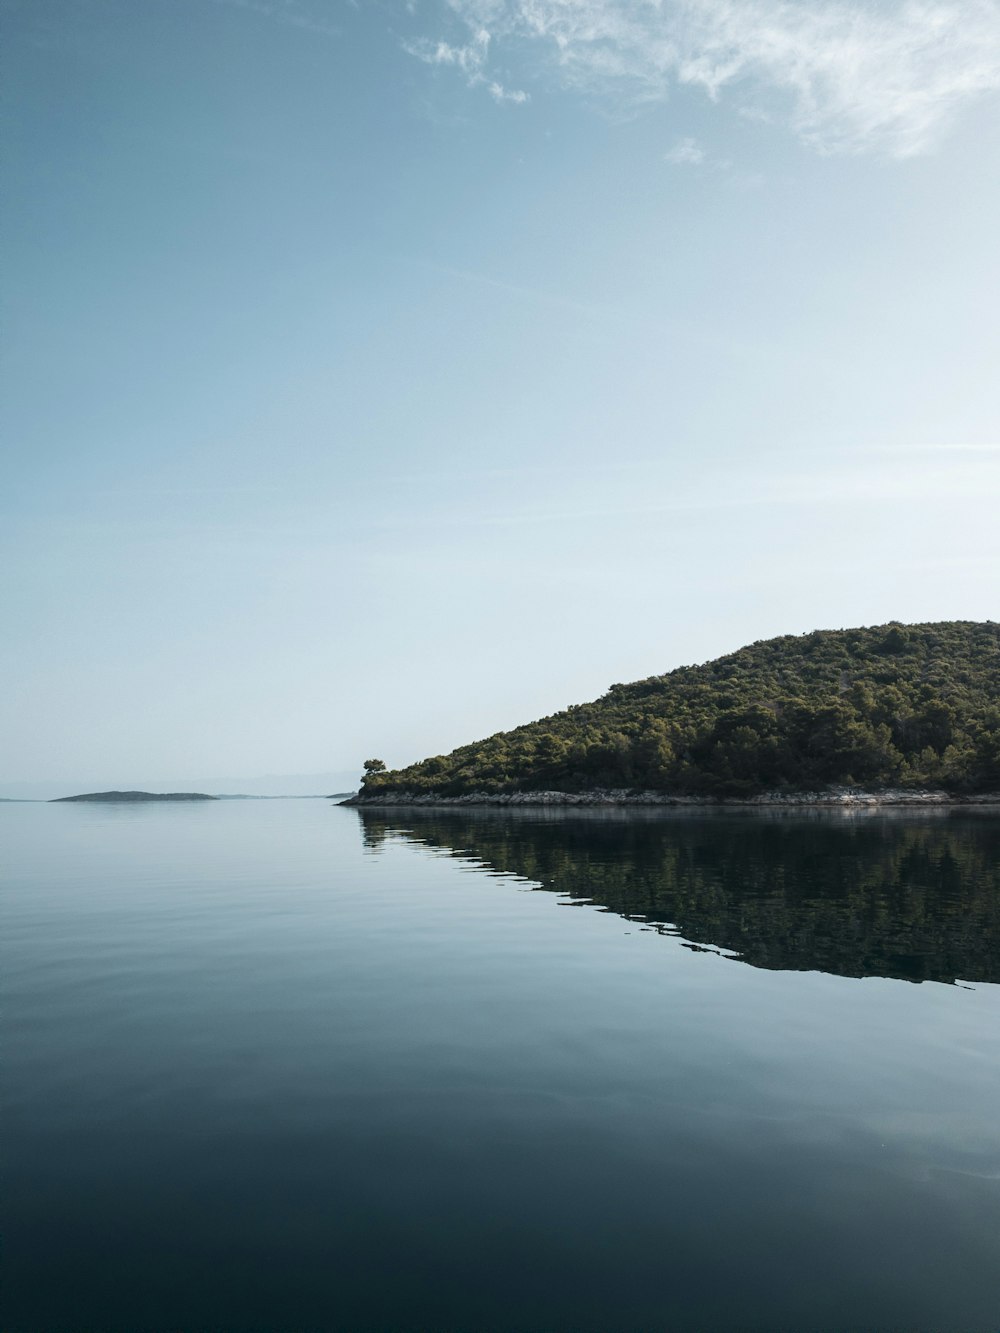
[{"x": 380, "y": 377}]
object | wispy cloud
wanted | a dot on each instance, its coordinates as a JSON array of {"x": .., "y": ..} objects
[
  {"x": 472, "y": 60},
  {"x": 846, "y": 76},
  {"x": 650, "y": 489},
  {"x": 685, "y": 153}
]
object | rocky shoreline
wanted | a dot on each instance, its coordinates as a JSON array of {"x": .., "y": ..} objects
[{"x": 836, "y": 797}]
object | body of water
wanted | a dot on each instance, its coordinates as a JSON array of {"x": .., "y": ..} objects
[{"x": 287, "y": 1066}]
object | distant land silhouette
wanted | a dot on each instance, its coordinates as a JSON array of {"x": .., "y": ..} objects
[{"x": 137, "y": 796}]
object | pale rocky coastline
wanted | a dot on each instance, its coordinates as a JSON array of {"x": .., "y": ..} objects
[{"x": 834, "y": 797}]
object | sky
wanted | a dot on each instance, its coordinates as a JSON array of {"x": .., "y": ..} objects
[{"x": 379, "y": 376}]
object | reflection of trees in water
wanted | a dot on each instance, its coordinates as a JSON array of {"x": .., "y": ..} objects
[{"x": 880, "y": 896}]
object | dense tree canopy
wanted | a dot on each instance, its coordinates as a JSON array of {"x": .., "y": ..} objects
[{"x": 893, "y": 705}]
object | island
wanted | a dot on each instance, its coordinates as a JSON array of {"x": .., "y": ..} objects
[
  {"x": 904, "y": 714},
  {"x": 137, "y": 796}
]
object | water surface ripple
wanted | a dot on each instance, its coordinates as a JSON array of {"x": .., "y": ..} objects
[{"x": 284, "y": 1066}]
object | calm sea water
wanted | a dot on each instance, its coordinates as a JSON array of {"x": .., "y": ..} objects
[{"x": 282, "y": 1066}]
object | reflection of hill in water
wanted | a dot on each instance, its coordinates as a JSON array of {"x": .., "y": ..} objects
[{"x": 892, "y": 896}]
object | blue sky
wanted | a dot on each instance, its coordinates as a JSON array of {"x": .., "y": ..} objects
[{"x": 380, "y": 376}]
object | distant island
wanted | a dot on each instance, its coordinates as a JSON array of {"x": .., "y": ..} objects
[
  {"x": 137, "y": 796},
  {"x": 901, "y": 713}
]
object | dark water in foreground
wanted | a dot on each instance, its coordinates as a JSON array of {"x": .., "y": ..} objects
[{"x": 280, "y": 1066}]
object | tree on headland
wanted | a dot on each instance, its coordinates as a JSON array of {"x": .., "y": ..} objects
[{"x": 374, "y": 775}]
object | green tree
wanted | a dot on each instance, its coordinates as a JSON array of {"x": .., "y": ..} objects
[{"x": 375, "y": 771}]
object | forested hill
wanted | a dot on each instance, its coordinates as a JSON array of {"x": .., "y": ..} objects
[{"x": 892, "y": 705}]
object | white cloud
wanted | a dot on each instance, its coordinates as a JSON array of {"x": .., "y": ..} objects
[
  {"x": 846, "y": 75},
  {"x": 501, "y": 94},
  {"x": 685, "y": 153},
  {"x": 471, "y": 59}
]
